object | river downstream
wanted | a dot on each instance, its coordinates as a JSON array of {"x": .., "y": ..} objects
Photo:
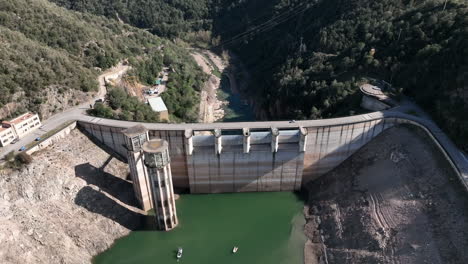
[
  {"x": 220, "y": 99},
  {"x": 267, "y": 228}
]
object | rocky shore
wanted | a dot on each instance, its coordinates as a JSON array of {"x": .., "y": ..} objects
[
  {"x": 68, "y": 205},
  {"x": 395, "y": 201}
]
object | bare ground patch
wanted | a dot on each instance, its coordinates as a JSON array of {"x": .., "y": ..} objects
[
  {"x": 395, "y": 201},
  {"x": 211, "y": 108},
  {"x": 69, "y": 204}
]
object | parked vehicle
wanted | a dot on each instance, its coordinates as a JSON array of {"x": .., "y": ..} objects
[
  {"x": 37, "y": 139},
  {"x": 14, "y": 141},
  {"x": 23, "y": 148}
]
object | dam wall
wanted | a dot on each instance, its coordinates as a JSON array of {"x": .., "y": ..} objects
[
  {"x": 246, "y": 163},
  {"x": 329, "y": 146},
  {"x": 250, "y": 156}
]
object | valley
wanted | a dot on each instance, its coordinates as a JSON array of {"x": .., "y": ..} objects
[{"x": 256, "y": 131}]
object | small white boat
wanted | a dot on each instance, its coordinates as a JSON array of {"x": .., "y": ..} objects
[
  {"x": 179, "y": 253},
  {"x": 234, "y": 250}
]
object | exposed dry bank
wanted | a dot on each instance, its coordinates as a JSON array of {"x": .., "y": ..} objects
[
  {"x": 211, "y": 107},
  {"x": 71, "y": 203},
  {"x": 394, "y": 201}
]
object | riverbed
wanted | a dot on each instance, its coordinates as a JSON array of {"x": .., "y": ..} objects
[
  {"x": 266, "y": 227},
  {"x": 237, "y": 109},
  {"x": 220, "y": 99}
]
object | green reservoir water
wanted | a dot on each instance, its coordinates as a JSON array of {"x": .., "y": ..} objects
[
  {"x": 237, "y": 110},
  {"x": 267, "y": 228}
]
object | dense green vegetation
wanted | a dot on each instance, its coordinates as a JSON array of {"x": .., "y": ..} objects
[
  {"x": 44, "y": 46},
  {"x": 161, "y": 17},
  {"x": 124, "y": 107},
  {"x": 306, "y": 57},
  {"x": 26, "y": 67},
  {"x": 181, "y": 96},
  {"x": 185, "y": 80}
]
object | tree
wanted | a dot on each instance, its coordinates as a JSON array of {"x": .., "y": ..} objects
[
  {"x": 102, "y": 111},
  {"x": 24, "y": 158}
]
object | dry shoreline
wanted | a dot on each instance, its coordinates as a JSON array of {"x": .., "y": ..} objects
[
  {"x": 68, "y": 205},
  {"x": 395, "y": 201},
  {"x": 211, "y": 108}
]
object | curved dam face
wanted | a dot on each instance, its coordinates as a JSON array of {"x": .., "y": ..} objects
[{"x": 251, "y": 156}]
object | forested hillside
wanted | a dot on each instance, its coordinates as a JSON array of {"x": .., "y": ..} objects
[
  {"x": 186, "y": 79},
  {"x": 164, "y": 18},
  {"x": 50, "y": 56},
  {"x": 306, "y": 57}
]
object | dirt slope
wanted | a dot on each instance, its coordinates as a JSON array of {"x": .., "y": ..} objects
[
  {"x": 211, "y": 108},
  {"x": 394, "y": 201},
  {"x": 71, "y": 203}
]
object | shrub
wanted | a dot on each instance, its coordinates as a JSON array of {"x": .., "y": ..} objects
[
  {"x": 10, "y": 156},
  {"x": 24, "y": 158}
]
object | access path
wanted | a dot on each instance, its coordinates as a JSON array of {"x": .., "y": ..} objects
[{"x": 68, "y": 115}]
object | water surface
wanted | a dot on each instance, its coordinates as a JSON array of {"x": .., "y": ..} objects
[
  {"x": 267, "y": 228},
  {"x": 237, "y": 110}
]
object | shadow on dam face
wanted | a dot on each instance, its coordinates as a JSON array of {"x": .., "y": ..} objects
[
  {"x": 234, "y": 171},
  {"x": 263, "y": 158}
]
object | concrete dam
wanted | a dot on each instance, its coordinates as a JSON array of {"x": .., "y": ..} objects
[
  {"x": 250, "y": 157},
  {"x": 261, "y": 156}
]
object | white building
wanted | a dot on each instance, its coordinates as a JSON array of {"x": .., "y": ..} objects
[
  {"x": 18, "y": 127},
  {"x": 7, "y": 135},
  {"x": 158, "y": 105}
]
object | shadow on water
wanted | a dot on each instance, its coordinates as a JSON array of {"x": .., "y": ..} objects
[{"x": 302, "y": 195}]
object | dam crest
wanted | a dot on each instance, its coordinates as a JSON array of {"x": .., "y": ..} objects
[{"x": 263, "y": 156}]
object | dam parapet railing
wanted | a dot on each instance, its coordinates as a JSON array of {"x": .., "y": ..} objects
[{"x": 267, "y": 155}]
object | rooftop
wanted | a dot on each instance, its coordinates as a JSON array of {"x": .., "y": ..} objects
[
  {"x": 134, "y": 130},
  {"x": 372, "y": 90},
  {"x": 19, "y": 119},
  {"x": 155, "y": 145},
  {"x": 157, "y": 104},
  {"x": 376, "y": 92}
]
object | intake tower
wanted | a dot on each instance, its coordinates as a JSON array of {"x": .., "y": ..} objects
[{"x": 158, "y": 169}]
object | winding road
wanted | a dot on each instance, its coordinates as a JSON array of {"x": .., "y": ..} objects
[{"x": 68, "y": 115}]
